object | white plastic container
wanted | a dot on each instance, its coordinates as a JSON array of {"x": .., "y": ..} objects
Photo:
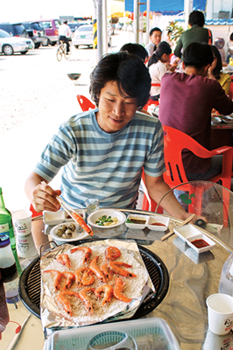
[{"x": 149, "y": 333}]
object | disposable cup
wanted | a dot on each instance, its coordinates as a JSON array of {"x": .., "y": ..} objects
[
  {"x": 220, "y": 313},
  {"x": 22, "y": 220},
  {"x": 92, "y": 204},
  {"x": 216, "y": 342}
]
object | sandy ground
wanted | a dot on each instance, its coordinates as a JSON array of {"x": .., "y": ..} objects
[{"x": 36, "y": 97}]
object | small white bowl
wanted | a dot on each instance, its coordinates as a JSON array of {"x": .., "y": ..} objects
[
  {"x": 190, "y": 234},
  {"x": 75, "y": 237},
  {"x": 55, "y": 218},
  {"x": 135, "y": 225},
  {"x": 93, "y": 217},
  {"x": 149, "y": 220}
]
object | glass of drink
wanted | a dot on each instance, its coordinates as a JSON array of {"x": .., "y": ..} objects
[{"x": 92, "y": 204}]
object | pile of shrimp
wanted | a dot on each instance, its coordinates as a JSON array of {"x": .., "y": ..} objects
[{"x": 97, "y": 286}]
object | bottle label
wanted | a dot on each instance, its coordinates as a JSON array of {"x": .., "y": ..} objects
[{"x": 4, "y": 232}]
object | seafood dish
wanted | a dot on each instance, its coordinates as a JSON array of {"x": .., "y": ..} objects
[
  {"x": 106, "y": 218},
  {"x": 89, "y": 283},
  {"x": 106, "y": 221},
  {"x": 68, "y": 231}
]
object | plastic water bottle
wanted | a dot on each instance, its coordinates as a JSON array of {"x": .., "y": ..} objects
[{"x": 226, "y": 280}]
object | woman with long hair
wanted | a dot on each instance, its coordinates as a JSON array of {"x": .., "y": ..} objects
[
  {"x": 158, "y": 65},
  {"x": 215, "y": 71}
]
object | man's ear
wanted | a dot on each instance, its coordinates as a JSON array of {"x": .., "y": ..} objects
[
  {"x": 205, "y": 70},
  {"x": 183, "y": 66}
]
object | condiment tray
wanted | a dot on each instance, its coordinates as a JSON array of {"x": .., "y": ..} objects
[
  {"x": 55, "y": 218},
  {"x": 194, "y": 238},
  {"x": 155, "y": 222}
]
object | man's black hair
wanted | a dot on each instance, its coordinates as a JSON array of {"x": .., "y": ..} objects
[
  {"x": 196, "y": 17},
  {"x": 197, "y": 55},
  {"x": 65, "y": 22},
  {"x": 128, "y": 71},
  {"x": 155, "y": 29},
  {"x": 135, "y": 49},
  {"x": 231, "y": 37}
]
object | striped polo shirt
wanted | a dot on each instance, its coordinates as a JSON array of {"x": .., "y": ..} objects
[{"x": 107, "y": 166}]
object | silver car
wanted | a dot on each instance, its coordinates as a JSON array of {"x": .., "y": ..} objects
[
  {"x": 84, "y": 36},
  {"x": 11, "y": 44}
]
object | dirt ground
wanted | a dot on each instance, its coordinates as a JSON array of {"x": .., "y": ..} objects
[{"x": 36, "y": 97}]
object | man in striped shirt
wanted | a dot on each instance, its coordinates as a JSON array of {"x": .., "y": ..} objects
[{"x": 102, "y": 151}]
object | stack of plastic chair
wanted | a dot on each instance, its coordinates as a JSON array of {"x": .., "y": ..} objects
[
  {"x": 85, "y": 103},
  {"x": 175, "y": 141}
]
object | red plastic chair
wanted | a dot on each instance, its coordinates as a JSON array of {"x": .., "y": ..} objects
[
  {"x": 231, "y": 89},
  {"x": 85, "y": 103},
  {"x": 151, "y": 102},
  {"x": 174, "y": 142},
  {"x": 147, "y": 203}
]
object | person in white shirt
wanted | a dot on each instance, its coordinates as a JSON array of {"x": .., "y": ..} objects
[
  {"x": 155, "y": 38},
  {"x": 159, "y": 64},
  {"x": 64, "y": 32}
]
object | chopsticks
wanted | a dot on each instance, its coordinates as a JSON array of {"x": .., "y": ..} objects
[
  {"x": 75, "y": 216},
  {"x": 182, "y": 224}
]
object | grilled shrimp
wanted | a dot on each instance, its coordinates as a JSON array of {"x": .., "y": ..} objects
[
  {"x": 114, "y": 266},
  {"x": 96, "y": 269},
  {"x": 118, "y": 291},
  {"x": 107, "y": 271},
  {"x": 84, "y": 276},
  {"x": 62, "y": 299},
  {"x": 64, "y": 260},
  {"x": 112, "y": 253},
  {"x": 57, "y": 277},
  {"x": 84, "y": 296},
  {"x": 82, "y": 223},
  {"x": 108, "y": 293},
  {"x": 87, "y": 252},
  {"x": 70, "y": 278}
]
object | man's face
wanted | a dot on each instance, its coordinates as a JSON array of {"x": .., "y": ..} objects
[
  {"x": 155, "y": 38},
  {"x": 115, "y": 110}
]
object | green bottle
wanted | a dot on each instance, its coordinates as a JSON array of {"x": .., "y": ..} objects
[{"x": 7, "y": 230}]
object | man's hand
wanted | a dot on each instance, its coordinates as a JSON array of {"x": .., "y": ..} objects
[{"x": 44, "y": 198}]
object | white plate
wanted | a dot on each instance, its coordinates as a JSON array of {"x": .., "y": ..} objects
[
  {"x": 75, "y": 237},
  {"x": 109, "y": 212},
  {"x": 190, "y": 233},
  {"x": 149, "y": 220},
  {"x": 55, "y": 218}
]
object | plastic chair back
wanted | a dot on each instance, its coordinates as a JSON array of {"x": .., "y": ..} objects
[{"x": 85, "y": 103}]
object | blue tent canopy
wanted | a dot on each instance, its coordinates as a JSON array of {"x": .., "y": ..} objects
[{"x": 166, "y": 7}]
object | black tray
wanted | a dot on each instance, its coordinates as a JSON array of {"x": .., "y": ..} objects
[{"x": 30, "y": 283}]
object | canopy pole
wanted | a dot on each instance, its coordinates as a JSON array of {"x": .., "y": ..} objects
[
  {"x": 105, "y": 35},
  {"x": 99, "y": 30},
  {"x": 147, "y": 19},
  {"x": 188, "y": 6},
  {"x": 136, "y": 22}
]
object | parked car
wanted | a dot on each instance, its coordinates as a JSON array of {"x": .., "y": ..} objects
[
  {"x": 15, "y": 29},
  {"x": 35, "y": 32},
  {"x": 73, "y": 26},
  {"x": 84, "y": 36},
  {"x": 51, "y": 30},
  {"x": 11, "y": 44}
]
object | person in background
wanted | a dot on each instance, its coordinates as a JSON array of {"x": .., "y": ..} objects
[
  {"x": 214, "y": 71},
  {"x": 64, "y": 33},
  {"x": 230, "y": 50},
  {"x": 158, "y": 65},
  {"x": 195, "y": 34},
  {"x": 136, "y": 49},
  {"x": 155, "y": 36},
  {"x": 96, "y": 149},
  {"x": 186, "y": 103}
]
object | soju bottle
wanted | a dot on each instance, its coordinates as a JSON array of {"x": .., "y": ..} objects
[{"x": 7, "y": 231}]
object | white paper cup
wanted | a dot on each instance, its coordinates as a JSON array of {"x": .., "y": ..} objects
[
  {"x": 22, "y": 220},
  {"x": 220, "y": 313},
  {"x": 216, "y": 342}
]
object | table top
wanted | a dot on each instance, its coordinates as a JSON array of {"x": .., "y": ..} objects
[{"x": 193, "y": 278}]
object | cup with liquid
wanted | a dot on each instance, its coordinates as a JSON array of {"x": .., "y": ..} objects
[{"x": 92, "y": 204}]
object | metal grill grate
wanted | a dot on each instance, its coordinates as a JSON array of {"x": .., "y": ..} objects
[{"x": 30, "y": 284}]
